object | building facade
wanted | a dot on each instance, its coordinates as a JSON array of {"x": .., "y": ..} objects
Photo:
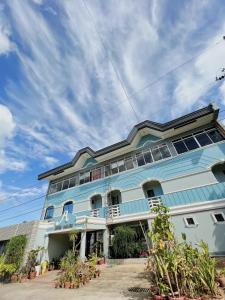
[{"x": 180, "y": 163}]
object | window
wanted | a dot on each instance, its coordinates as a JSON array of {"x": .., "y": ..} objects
[
  {"x": 65, "y": 184},
  {"x": 180, "y": 147},
  {"x": 219, "y": 217},
  {"x": 121, "y": 166},
  {"x": 190, "y": 222},
  {"x": 96, "y": 174},
  {"x": 73, "y": 182},
  {"x": 156, "y": 154},
  {"x": 129, "y": 163},
  {"x": 203, "y": 139},
  {"x": 58, "y": 186},
  {"x": 84, "y": 177},
  {"x": 68, "y": 206},
  {"x": 114, "y": 168},
  {"x": 148, "y": 157},
  {"x": 150, "y": 193},
  {"x": 107, "y": 171},
  {"x": 49, "y": 213},
  {"x": 215, "y": 136},
  {"x": 140, "y": 159},
  {"x": 165, "y": 151},
  {"x": 191, "y": 143},
  {"x": 52, "y": 188}
]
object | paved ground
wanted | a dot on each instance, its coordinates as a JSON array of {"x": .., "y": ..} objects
[{"x": 112, "y": 284}]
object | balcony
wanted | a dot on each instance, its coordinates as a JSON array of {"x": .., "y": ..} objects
[{"x": 191, "y": 196}]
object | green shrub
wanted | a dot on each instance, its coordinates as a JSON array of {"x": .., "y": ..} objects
[
  {"x": 123, "y": 243},
  {"x": 15, "y": 250}
]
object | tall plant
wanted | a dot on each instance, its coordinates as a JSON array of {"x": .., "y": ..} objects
[
  {"x": 15, "y": 250},
  {"x": 179, "y": 268}
]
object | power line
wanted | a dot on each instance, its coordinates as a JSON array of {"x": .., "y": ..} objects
[{"x": 110, "y": 59}]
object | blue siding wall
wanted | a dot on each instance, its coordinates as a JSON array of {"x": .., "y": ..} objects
[{"x": 187, "y": 163}]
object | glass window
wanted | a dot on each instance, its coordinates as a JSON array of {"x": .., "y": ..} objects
[
  {"x": 53, "y": 188},
  {"x": 148, "y": 157},
  {"x": 68, "y": 207},
  {"x": 165, "y": 151},
  {"x": 129, "y": 163},
  {"x": 84, "y": 177},
  {"x": 140, "y": 159},
  {"x": 58, "y": 186},
  {"x": 49, "y": 213},
  {"x": 96, "y": 174},
  {"x": 219, "y": 217},
  {"x": 121, "y": 166},
  {"x": 73, "y": 182},
  {"x": 203, "y": 139},
  {"x": 215, "y": 136},
  {"x": 190, "y": 221},
  {"x": 107, "y": 171},
  {"x": 180, "y": 147},
  {"x": 156, "y": 154},
  {"x": 114, "y": 168},
  {"x": 65, "y": 184},
  {"x": 191, "y": 143}
]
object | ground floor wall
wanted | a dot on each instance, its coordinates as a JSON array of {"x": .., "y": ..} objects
[{"x": 205, "y": 228}]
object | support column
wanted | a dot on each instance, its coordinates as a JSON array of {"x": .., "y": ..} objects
[
  {"x": 83, "y": 245},
  {"x": 106, "y": 243}
]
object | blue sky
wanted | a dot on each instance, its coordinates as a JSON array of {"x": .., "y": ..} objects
[{"x": 61, "y": 68}]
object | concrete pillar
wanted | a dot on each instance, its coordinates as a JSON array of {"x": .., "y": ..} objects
[
  {"x": 46, "y": 241},
  {"x": 149, "y": 221},
  {"x": 83, "y": 245},
  {"x": 106, "y": 243}
]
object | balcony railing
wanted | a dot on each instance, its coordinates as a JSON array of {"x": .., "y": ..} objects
[
  {"x": 113, "y": 211},
  {"x": 195, "y": 195},
  {"x": 95, "y": 213},
  {"x": 154, "y": 201}
]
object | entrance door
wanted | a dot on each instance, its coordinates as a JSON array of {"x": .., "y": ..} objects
[{"x": 150, "y": 193}]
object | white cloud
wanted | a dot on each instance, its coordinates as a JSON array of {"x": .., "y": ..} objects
[
  {"x": 5, "y": 43},
  {"x": 7, "y": 124},
  {"x": 50, "y": 161}
]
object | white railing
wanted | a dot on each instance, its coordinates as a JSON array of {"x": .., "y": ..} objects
[
  {"x": 154, "y": 201},
  {"x": 113, "y": 211},
  {"x": 95, "y": 213}
]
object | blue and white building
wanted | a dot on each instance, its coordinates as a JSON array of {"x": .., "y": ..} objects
[{"x": 180, "y": 163}]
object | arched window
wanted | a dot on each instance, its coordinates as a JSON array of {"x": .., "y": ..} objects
[
  {"x": 68, "y": 206},
  {"x": 219, "y": 171},
  {"x": 152, "y": 189},
  {"x": 49, "y": 212},
  {"x": 96, "y": 201},
  {"x": 114, "y": 197}
]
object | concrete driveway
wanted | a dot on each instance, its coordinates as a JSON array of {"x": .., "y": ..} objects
[{"x": 112, "y": 284}]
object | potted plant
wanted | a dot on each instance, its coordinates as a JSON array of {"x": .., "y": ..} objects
[{"x": 221, "y": 278}]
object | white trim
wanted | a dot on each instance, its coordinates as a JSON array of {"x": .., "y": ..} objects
[
  {"x": 214, "y": 217},
  {"x": 190, "y": 225}
]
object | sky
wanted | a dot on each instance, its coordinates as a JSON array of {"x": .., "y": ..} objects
[{"x": 77, "y": 73}]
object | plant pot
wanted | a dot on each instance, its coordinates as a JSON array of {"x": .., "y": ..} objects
[
  {"x": 101, "y": 261},
  {"x": 14, "y": 278},
  {"x": 32, "y": 275},
  {"x": 23, "y": 278},
  {"x": 38, "y": 270},
  {"x": 67, "y": 285},
  {"x": 221, "y": 281},
  {"x": 158, "y": 297}
]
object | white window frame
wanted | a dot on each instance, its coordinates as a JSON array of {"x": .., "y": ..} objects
[
  {"x": 188, "y": 225},
  {"x": 217, "y": 213}
]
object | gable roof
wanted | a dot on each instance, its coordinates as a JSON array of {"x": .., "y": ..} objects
[{"x": 174, "y": 124}]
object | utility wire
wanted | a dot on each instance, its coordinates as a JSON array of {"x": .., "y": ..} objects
[{"x": 110, "y": 59}]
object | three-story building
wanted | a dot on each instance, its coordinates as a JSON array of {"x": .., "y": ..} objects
[{"x": 180, "y": 163}]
